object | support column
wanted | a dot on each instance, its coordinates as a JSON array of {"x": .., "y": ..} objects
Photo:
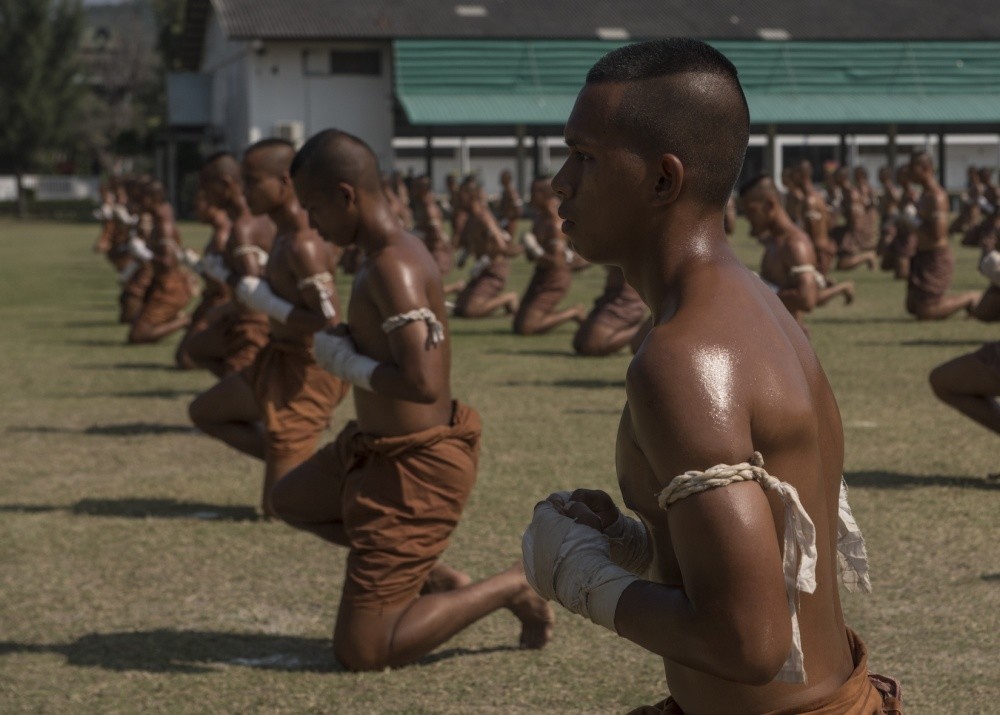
[
  {"x": 942, "y": 158},
  {"x": 520, "y": 158},
  {"x": 771, "y": 160},
  {"x": 536, "y": 157},
  {"x": 842, "y": 150},
  {"x": 429, "y": 159},
  {"x": 171, "y": 178},
  {"x": 891, "y": 148},
  {"x": 464, "y": 158}
]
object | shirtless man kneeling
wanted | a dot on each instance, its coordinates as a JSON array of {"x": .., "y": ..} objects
[
  {"x": 276, "y": 408},
  {"x": 789, "y": 263},
  {"x": 392, "y": 486},
  {"x": 710, "y": 578},
  {"x": 537, "y": 312}
]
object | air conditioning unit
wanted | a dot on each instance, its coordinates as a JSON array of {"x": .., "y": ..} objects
[{"x": 295, "y": 132}]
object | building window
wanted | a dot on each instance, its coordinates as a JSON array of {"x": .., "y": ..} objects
[{"x": 368, "y": 62}]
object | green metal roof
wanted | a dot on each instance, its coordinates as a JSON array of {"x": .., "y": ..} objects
[{"x": 535, "y": 82}]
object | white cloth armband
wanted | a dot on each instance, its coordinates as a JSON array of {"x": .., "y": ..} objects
[
  {"x": 257, "y": 295},
  {"x": 252, "y": 250},
  {"x": 630, "y": 544},
  {"x": 989, "y": 266},
  {"x": 810, "y": 268},
  {"x": 571, "y": 563},
  {"x": 435, "y": 330},
  {"x": 320, "y": 281},
  {"x": 338, "y": 355},
  {"x": 138, "y": 249}
]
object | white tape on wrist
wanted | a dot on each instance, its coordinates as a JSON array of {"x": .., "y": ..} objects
[
  {"x": 137, "y": 249},
  {"x": 338, "y": 355},
  {"x": 213, "y": 266},
  {"x": 571, "y": 563},
  {"x": 128, "y": 271},
  {"x": 257, "y": 295},
  {"x": 989, "y": 266}
]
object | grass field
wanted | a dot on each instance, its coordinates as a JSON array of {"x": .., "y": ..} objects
[{"x": 136, "y": 577}]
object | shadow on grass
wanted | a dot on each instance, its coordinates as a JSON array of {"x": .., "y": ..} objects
[
  {"x": 192, "y": 652},
  {"x": 894, "y": 480},
  {"x": 128, "y": 429},
  {"x": 92, "y": 323},
  {"x": 926, "y": 343},
  {"x": 130, "y": 365},
  {"x": 846, "y": 320},
  {"x": 577, "y": 383},
  {"x": 165, "y": 393},
  {"x": 142, "y": 509},
  {"x": 94, "y": 342},
  {"x": 170, "y": 651},
  {"x": 567, "y": 353}
]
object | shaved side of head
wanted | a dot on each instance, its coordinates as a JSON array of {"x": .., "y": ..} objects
[
  {"x": 681, "y": 97},
  {"x": 760, "y": 187},
  {"x": 220, "y": 166},
  {"x": 333, "y": 156},
  {"x": 274, "y": 155}
]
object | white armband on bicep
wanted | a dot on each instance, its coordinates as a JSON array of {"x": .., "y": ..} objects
[
  {"x": 320, "y": 281},
  {"x": 435, "y": 329},
  {"x": 259, "y": 253}
]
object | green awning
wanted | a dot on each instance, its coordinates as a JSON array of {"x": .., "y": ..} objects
[{"x": 455, "y": 82}]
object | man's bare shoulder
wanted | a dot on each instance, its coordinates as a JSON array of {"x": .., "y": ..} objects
[{"x": 797, "y": 248}]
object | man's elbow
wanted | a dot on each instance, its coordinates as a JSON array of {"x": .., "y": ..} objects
[
  {"x": 424, "y": 391},
  {"x": 757, "y": 654}
]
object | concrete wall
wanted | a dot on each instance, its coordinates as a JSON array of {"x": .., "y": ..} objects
[
  {"x": 226, "y": 62},
  {"x": 291, "y": 83}
]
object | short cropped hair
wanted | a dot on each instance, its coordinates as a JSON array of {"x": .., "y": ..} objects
[{"x": 705, "y": 123}]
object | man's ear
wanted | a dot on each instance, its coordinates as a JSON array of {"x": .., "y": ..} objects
[
  {"x": 348, "y": 194},
  {"x": 670, "y": 180}
]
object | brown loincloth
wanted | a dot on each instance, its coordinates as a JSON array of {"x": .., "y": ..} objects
[
  {"x": 211, "y": 297},
  {"x": 168, "y": 294},
  {"x": 488, "y": 284},
  {"x": 849, "y": 243},
  {"x": 826, "y": 256},
  {"x": 402, "y": 498},
  {"x": 296, "y": 398},
  {"x": 618, "y": 307},
  {"x": 989, "y": 355},
  {"x": 904, "y": 244},
  {"x": 863, "y": 693},
  {"x": 138, "y": 285},
  {"x": 549, "y": 284},
  {"x": 245, "y": 334},
  {"x": 930, "y": 275}
]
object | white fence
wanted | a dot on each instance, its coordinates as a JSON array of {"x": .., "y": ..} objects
[{"x": 53, "y": 188}]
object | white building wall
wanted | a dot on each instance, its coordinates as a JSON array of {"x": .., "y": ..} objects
[
  {"x": 290, "y": 83},
  {"x": 227, "y": 62}
]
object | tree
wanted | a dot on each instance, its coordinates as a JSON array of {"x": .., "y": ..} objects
[{"x": 40, "y": 85}]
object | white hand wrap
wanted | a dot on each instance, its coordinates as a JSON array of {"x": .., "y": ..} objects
[
  {"x": 137, "y": 249},
  {"x": 257, "y": 295},
  {"x": 989, "y": 266},
  {"x": 910, "y": 216},
  {"x": 479, "y": 266},
  {"x": 214, "y": 266},
  {"x": 531, "y": 245},
  {"x": 630, "y": 545},
  {"x": 128, "y": 271},
  {"x": 338, "y": 355},
  {"x": 188, "y": 257},
  {"x": 571, "y": 563}
]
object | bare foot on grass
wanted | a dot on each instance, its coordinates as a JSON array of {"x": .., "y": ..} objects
[{"x": 536, "y": 616}]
